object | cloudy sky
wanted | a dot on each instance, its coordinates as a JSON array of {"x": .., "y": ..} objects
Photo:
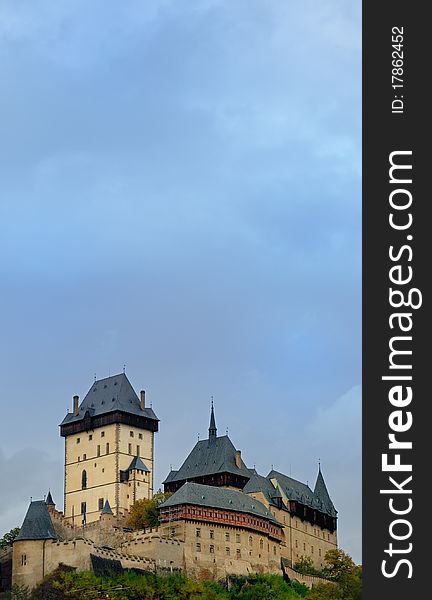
[{"x": 180, "y": 193}]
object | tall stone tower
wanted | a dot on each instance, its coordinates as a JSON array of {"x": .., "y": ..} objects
[{"x": 109, "y": 450}]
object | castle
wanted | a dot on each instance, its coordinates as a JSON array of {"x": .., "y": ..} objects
[{"x": 222, "y": 517}]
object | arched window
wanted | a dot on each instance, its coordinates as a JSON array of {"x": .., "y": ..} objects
[
  {"x": 84, "y": 480},
  {"x": 250, "y": 540}
]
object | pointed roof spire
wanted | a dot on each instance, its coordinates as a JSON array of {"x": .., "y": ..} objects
[
  {"x": 49, "y": 500},
  {"x": 212, "y": 428},
  {"x": 322, "y": 493},
  {"x": 37, "y": 523},
  {"x": 107, "y": 508}
]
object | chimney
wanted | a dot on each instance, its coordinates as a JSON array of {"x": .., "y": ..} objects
[
  {"x": 238, "y": 459},
  {"x": 75, "y": 405},
  {"x": 142, "y": 399}
]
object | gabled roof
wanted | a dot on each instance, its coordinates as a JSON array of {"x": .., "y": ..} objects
[
  {"x": 37, "y": 523},
  {"x": 258, "y": 483},
  {"x": 138, "y": 464},
  {"x": 322, "y": 494},
  {"x": 208, "y": 457},
  {"x": 218, "y": 497},
  {"x": 301, "y": 493},
  {"x": 108, "y": 395}
]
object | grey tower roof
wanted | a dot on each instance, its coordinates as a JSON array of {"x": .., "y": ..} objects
[
  {"x": 322, "y": 494},
  {"x": 218, "y": 497},
  {"x": 300, "y": 492},
  {"x": 108, "y": 395},
  {"x": 258, "y": 483},
  {"x": 49, "y": 500},
  {"x": 138, "y": 464},
  {"x": 37, "y": 523},
  {"x": 107, "y": 509},
  {"x": 209, "y": 457}
]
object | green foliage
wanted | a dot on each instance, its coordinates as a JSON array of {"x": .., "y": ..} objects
[
  {"x": 20, "y": 592},
  {"x": 8, "y": 538},
  {"x": 346, "y": 575},
  {"x": 338, "y": 564},
  {"x": 306, "y": 566},
  {"x": 66, "y": 584},
  {"x": 145, "y": 513},
  {"x": 266, "y": 587}
]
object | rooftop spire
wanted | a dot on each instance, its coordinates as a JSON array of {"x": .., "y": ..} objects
[
  {"x": 322, "y": 493},
  {"x": 212, "y": 428},
  {"x": 49, "y": 500}
]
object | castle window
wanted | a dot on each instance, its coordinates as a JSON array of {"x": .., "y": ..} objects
[
  {"x": 98, "y": 450},
  {"x": 227, "y": 551},
  {"x": 84, "y": 479},
  {"x": 83, "y": 508},
  {"x": 101, "y": 503},
  {"x": 261, "y": 544},
  {"x": 296, "y": 543},
  {"x": 78, "y": 458},
  {"x": 198, "y": 532},
  {"x": 138, "y": 450},
  {"x": 274, "y": 550},
  {"x": 102, "y": 433},
  {"x": 238, "y": 554},
  {"x": 23, "y": 559},
  {"x": 131, "y": 433},
  {"x": 198, "y": 547},
  {"x": 140, "y": 436},
  {"x": 84, "y": 456},
  {"x": 237, "y": 538},
  {"x": 227, "y": 537},
  {"x": 304, "y": 547},
  {"x": 319, "y": 551},
  {"x": 90, "y": 437},
  {"x": 250, "y": 540},
  {"x": 78, "y": 440},
  {"x": 211, "y": 549},
  {"x": 328, "y": 536},
  {"x": 211, "y": 534},
  {"x": 107, "y": 447},
  {"x": 311, "y": 549},
  {"x": 130, "y": 448}
]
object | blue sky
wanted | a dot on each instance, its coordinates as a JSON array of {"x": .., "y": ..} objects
[{"x": 180, "y": 193}]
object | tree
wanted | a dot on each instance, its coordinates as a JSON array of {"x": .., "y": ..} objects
[
  {"x": 145, "y": 513},
  {"x": 305, "y": 565},
  {"x": 8, "y": 538},
  {"x": 338, "y": 564}
]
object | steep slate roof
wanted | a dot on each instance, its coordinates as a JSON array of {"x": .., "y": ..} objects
[
  {"x": 258, "y": 483},
  {"x": 322, "y": 493},
  {"x": 37, "y": 523},
  {"x": 208, "y": 457},
  {"x": 300, "y": 492},
  {"x": 218, "y": 497},
  {"x": 107, "y": 509},
  {"x": 49, "y": 500},
  {"x": 171, "y": 476},
  {"x": 138, "y": 464},
  {"x": 107, "y": 395}
]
